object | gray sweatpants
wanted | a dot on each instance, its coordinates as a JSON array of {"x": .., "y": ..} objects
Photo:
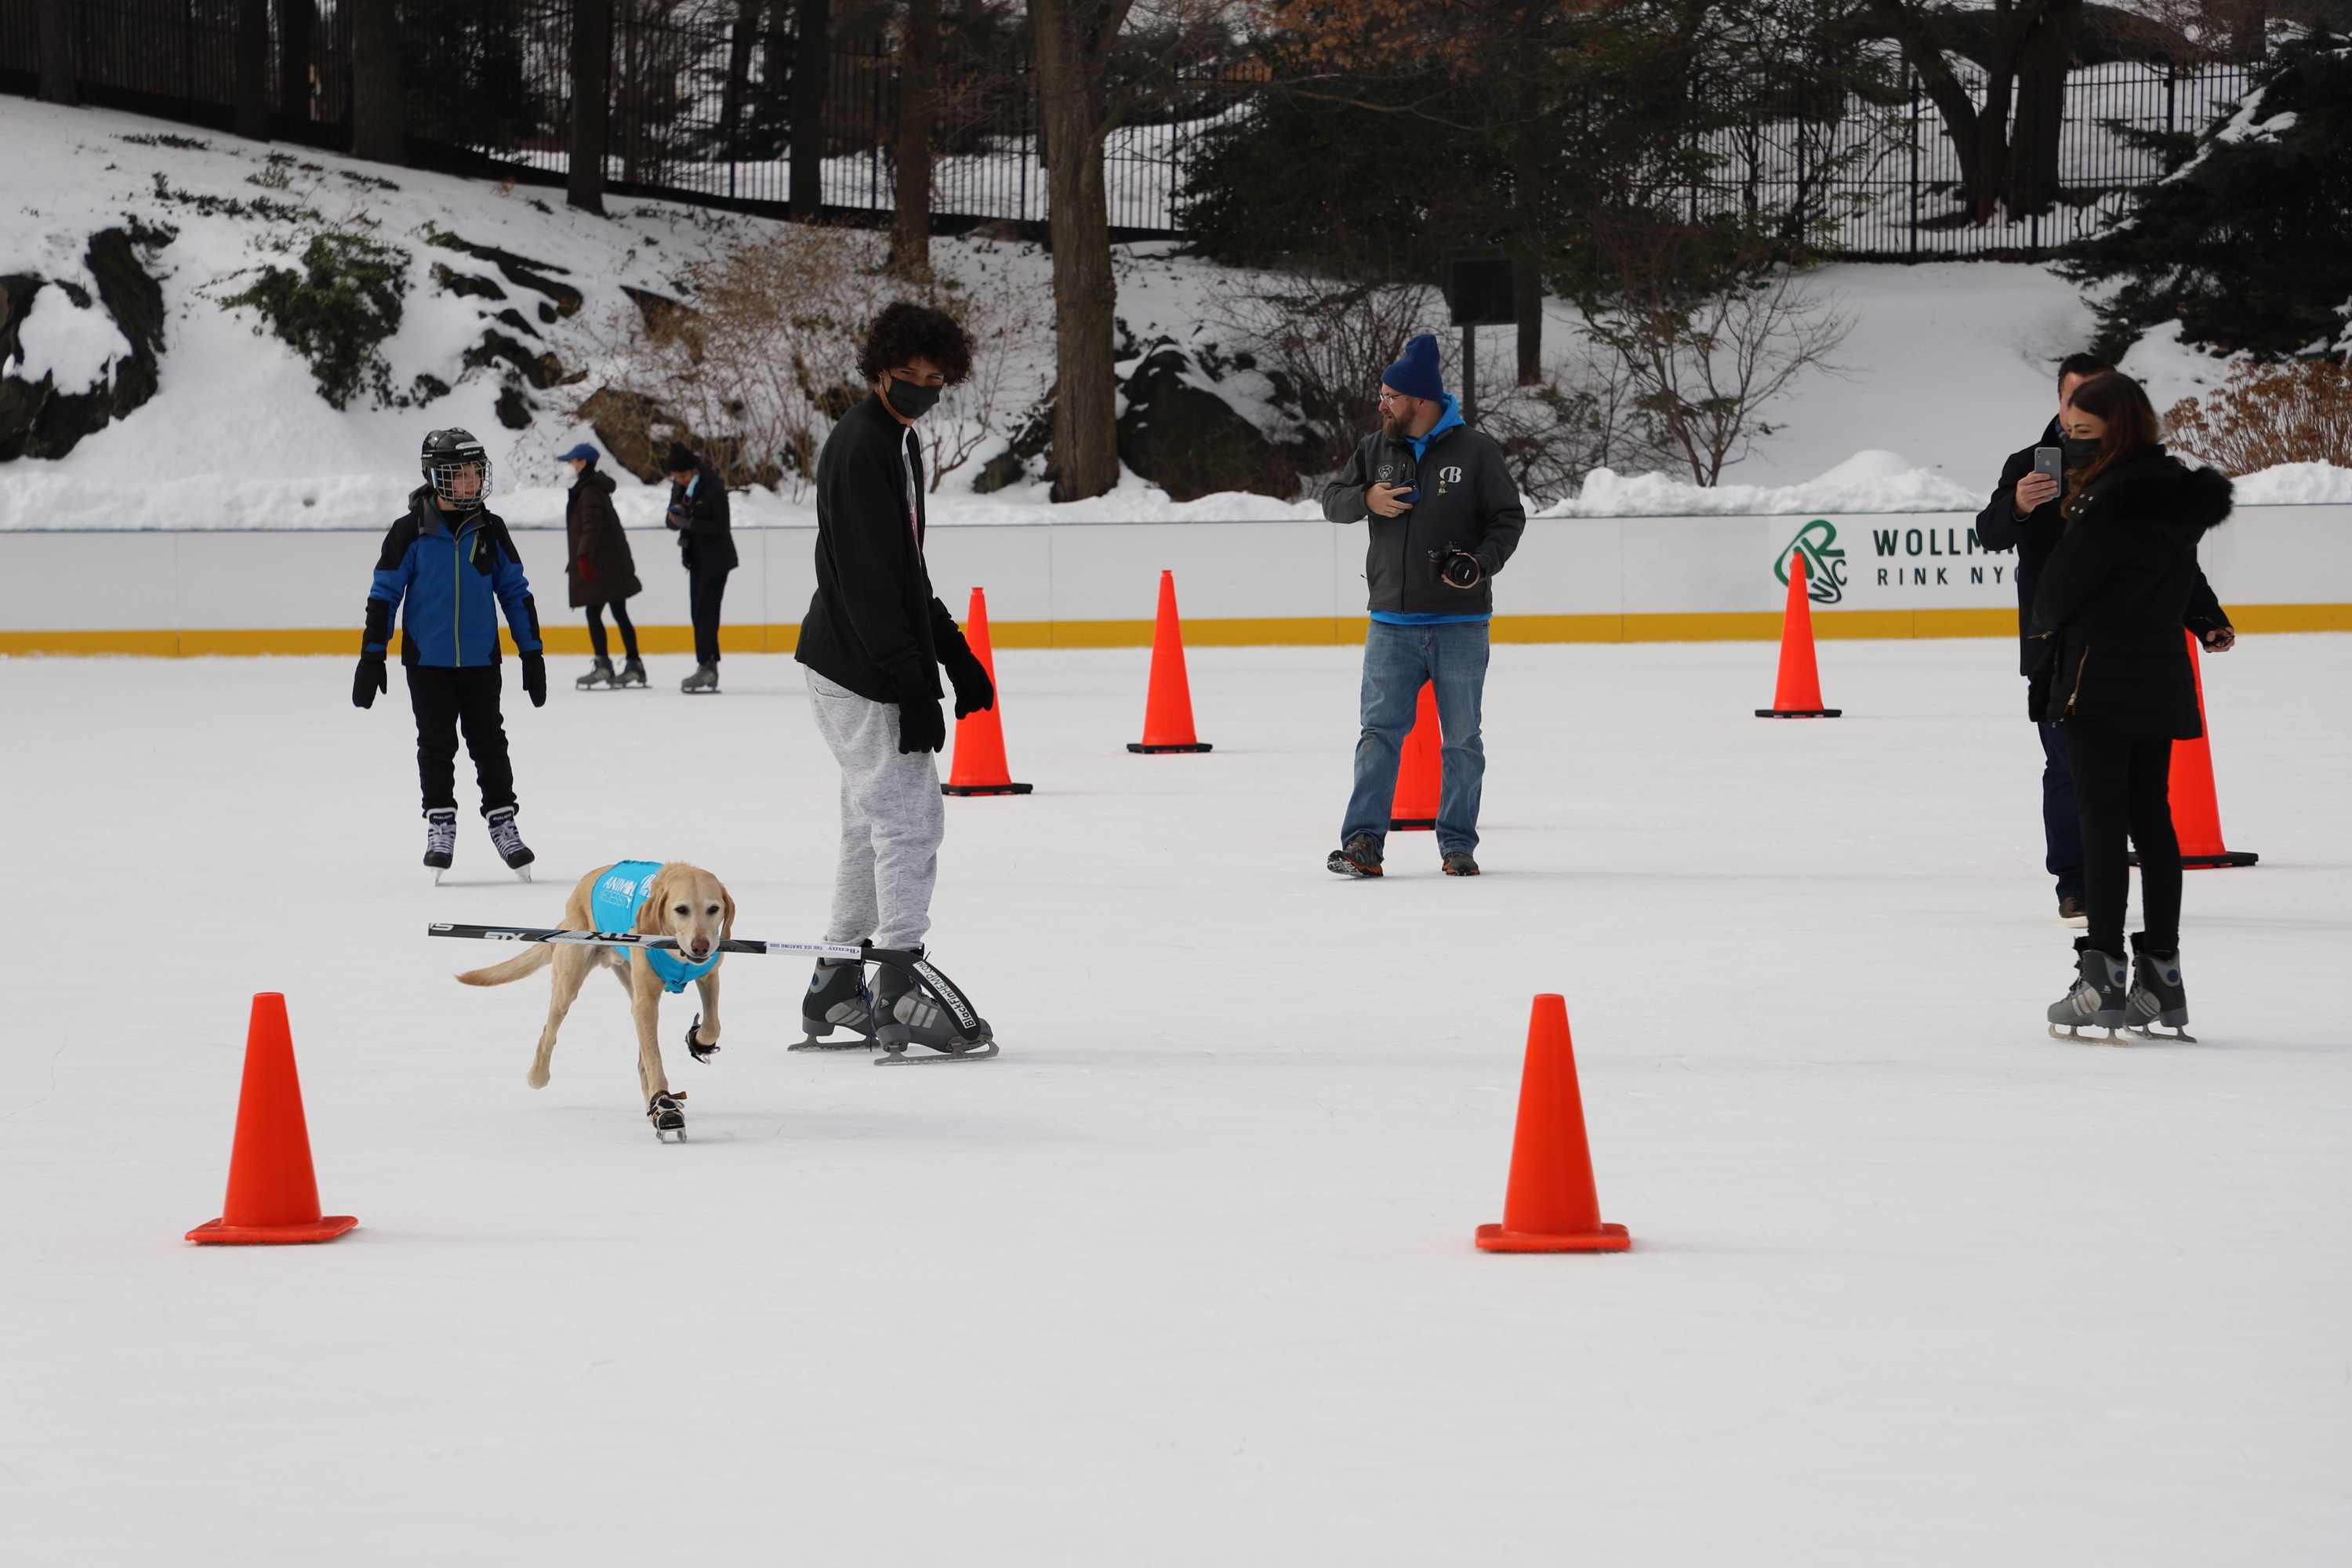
[{"x": 891, "y": 821}]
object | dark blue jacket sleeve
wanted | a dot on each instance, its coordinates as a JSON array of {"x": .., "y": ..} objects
[
  {"x": 395, "y": 567},
  {"x": 513, "y": 590}
]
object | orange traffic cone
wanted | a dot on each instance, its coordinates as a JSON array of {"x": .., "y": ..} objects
[
  {"x": 980, "y": 766},
  {"x": 272, "y": 1195},
  {"x": 1420, "y": 772},
  {"x": 1550, "y": 1205},
  {"x": 1167, "y": 709},
  {"x": 2196, "y": 814},
  {"x": 1798, "y": 694}
]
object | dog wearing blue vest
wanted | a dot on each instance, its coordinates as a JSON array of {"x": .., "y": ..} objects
[{"x": 651, "y": 898}]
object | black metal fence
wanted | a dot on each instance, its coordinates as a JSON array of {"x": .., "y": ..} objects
[{"x": 701, "y": 96}]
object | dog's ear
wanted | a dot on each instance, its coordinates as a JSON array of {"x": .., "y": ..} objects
[
  {"x": 727, "y": 927},
  {"x": 656, "y": 897}
]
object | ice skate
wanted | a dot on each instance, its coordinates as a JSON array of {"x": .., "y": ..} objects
[
  {"x": 906, "y": 1014},
  {"x": 507, "y": 839},
  {"x": 600, "y": 676},
  {"x": 2097, "y": 1002},
  {"x": 704, "y": 681},
  {"x": 837, "y": 999},
  {"x": 697, "y": 1047},
  {"x": 440, "y": 839},
  {"x": 2157, "y": 996},
  {"x": 633, "y": 674},
  {"x": 667, "y": 1116}
]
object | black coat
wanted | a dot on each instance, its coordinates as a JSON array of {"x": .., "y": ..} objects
[
  {"x": 706, "y": 539},
  {"x": 2113, "y": 595},
  {"x": 874, "y": 624},
  {"x": 1468, "y": 501},
  {"x": 2035, "y": 535},
  {"x": 602, "y": 569}
]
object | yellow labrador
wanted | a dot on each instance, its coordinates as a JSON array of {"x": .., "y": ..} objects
[{"x": 673, "y": 900}]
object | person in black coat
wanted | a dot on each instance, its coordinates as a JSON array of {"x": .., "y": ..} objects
[
  {"x": 603, "y": 572},
  {"x": 873, "y": 641},
  {"x": 2113, "y": 674},
  {"x": 698, "y": 511},
  {"x": 2024, "y": 516}
]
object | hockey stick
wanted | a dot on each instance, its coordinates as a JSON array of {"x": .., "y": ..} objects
[{"x": 971, "y": 1040}]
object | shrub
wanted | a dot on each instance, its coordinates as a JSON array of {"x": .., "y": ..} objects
[
  {"x": 2265, "y": 415},
  {"x": 337, "y": 311}
]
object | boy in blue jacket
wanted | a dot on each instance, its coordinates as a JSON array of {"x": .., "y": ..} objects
[{"x": 445, "y": 561}]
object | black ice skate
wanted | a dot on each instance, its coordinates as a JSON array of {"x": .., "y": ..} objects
[
  {"x": 600, "y": 676},
  {"x": 837, "y": 999},
  {"x": 633, "y": 673},
  {"x": 918, "y": 1006},
  {"x": 704, "y": 681},
  {"x": 667, "y": 1116},
  {"x": 2156, "y": 995},
  {"x": 440, "y": 839},
  {"x": 507, "y": 840},
  {"x": 697, "y": 1047},
  {"x": 2097, "y": 1002}
]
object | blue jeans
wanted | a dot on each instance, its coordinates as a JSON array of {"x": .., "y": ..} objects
[
  {"x": 2062, "y": 825},
  {"x": 1398, "y": 660}
]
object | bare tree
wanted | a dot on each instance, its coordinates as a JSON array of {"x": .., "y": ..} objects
[
  {"x": 591, "y": 87},
  {"x": 57, "y": 22},
  {"x": 911, "y": 146},
  {"x": 812, "y": 55},
  {"x": 377, "y": 132},
  {"x": 1325, "y": 341},
  {"x": 249, "y": 70},
  {"x": 297, "y": 27},
  {"x": 2031, "y": 45}
]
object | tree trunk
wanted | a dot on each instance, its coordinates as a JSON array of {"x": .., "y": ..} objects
[
  {"x": 57, "y": 22},
  {"x": 249, "y": 67},
  {"x": 2043, "y": 56},
  {"x": 810, "y": 60},
  {"x": 592, "y": 89},
  {"x": 2249, "y": 31},
  {"x": 377, "y": 133},
  {"x": 910, "y": 148},
  {"x": 1528, "y": 277},
  {"x": 297, "y": 28},
  {"x": 1072, "y": 40}
]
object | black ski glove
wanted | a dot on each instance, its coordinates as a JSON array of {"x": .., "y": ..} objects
[
  {"x": 534, "y": 677},
  {"x": 975, "y": 693},
  {"x": 922, "y": 727},
  {"x": 368, "y": 680}
]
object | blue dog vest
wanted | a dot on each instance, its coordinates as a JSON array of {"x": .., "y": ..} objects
[{"x": 613, "y": 906}]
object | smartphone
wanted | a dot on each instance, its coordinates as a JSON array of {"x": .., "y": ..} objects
[
  {"x": 2050, "y": 461},
  {"x": 1409, "y": 495}
]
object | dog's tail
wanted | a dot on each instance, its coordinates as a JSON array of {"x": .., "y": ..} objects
[{"x": 536, "y": 956}]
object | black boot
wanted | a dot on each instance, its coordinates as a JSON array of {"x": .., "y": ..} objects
[
  {"x": 2096, "y": 1001},
  {"x": 2156, "y": 995}
]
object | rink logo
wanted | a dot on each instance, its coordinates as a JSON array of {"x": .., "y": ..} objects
[{"x": 1824, "y": 562}]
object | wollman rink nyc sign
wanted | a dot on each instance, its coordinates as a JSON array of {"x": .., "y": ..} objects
[{"x": 1898, "y": 562}]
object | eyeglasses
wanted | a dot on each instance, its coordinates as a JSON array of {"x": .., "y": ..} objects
[{"x": 1386, "y": 398}]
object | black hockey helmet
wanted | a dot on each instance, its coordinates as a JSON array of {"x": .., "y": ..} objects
[{"x": 449, "y": 453}]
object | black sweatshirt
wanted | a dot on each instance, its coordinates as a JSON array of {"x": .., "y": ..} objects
[{"x": 873, "y": 626}]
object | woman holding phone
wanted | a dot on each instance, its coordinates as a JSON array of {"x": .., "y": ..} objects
[{"x": 2113, "y": 674}]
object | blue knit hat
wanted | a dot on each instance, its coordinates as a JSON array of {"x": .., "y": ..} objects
[{"x": 1416, "y": 374}]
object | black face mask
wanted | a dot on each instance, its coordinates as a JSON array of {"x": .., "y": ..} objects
[
  {"x": 2079, "y": 450},
  {"x": 911, "y": 399}
]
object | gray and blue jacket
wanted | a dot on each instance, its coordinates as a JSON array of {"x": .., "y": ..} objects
[{"x": 449, "y": 574}]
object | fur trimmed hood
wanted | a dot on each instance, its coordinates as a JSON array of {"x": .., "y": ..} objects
[{"x": 2161, "y": 491}]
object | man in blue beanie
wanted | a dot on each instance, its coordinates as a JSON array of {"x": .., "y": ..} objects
[{"x": 1444, "y": 514}]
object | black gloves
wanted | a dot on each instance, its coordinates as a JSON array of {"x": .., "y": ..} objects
[
  {"x": 922, "y": 727},
  {"x": 534, "y": 677},
  {"x": 368, "y": 680},
  {"x": 975, "y": 693}
]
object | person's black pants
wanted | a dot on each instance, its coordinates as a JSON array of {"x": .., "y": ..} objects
[
  {"x": 705, "y": 587},
  {"x": 2062, "y": 823},
  {"x": 447, "y": 701},
  {"x": 2123, "y": 786},
  {"x": 620, "y": 618}
]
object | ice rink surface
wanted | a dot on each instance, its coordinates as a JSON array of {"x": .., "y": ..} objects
[{"x": 1185, "y": 1277}]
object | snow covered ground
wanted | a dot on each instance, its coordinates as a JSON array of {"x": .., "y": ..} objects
[
  {"x": 1946, "y": 372},
  {"x": 1186, "y": 1275}
]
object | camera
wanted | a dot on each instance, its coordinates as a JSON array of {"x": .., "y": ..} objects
[{"x": 1455, "y": 567}]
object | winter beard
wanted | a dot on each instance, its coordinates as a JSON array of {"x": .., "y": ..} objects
[{"x": 1396, "y": 426}]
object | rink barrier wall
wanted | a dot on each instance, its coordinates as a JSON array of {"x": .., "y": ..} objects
[{"x": 183, "y": 594}]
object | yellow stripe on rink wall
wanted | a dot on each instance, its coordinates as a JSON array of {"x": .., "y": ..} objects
[{"x": 1318, "y": 631}]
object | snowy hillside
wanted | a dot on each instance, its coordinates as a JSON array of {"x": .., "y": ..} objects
[{"x": 1945, "y": 370}]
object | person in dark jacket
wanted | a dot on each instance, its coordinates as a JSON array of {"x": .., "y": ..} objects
[
  {"x": 698, "y": 511},
  {"x": 603, "y": 572},
  {"x": 2023, "y": 515},
  {"x": 1443, "y": 515},
  {"x": 2115, "y": 676},
  {"x": 448, "y": 566},
  {"x": 873, "y": 641}
]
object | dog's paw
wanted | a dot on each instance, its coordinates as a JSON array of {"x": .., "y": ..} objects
[{"x": 537, "y": 1078}]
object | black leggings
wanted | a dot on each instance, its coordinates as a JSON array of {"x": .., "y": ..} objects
[
  {"x": 620, "y": 618},
  {"x": 2121, "y": 785}
]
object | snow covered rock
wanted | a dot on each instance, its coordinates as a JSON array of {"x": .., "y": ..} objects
[{"x": 77, "y": 354}]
